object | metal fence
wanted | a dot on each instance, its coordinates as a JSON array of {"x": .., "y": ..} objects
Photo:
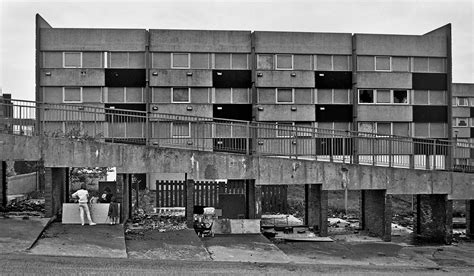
[{"x": 213, "y": 134}]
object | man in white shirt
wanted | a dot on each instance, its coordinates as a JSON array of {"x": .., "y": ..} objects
[{"x": 83, "y": 196}]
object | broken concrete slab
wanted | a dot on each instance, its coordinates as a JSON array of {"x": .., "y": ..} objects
[
  {"x": 18, "y": 234},
  {"x": 88, "y": 241},
  {"x": 172, "y": 245},
  {"x": 244, "y": 248}
]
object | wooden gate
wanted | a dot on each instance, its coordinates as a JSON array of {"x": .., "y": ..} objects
[
  {"x": 206, "y": 193},
  {"x": 170, "y": 194},
  {"x": 274, "y": 199}
]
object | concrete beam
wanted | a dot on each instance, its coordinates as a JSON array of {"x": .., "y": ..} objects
[
  {"x": 201, "y": 165},
  {"x": 316, "y": 204}
]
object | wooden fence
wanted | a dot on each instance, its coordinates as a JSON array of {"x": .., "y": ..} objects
[{"x": 274, "y": 199}]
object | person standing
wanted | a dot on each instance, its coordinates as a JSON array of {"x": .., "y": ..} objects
[{"x": 83, "y": 196}]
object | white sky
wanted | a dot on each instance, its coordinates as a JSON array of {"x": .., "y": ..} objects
[{"x": 17, "y": 24}]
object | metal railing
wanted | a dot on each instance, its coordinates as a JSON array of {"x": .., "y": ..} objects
[{"x": 89, "y": 122}]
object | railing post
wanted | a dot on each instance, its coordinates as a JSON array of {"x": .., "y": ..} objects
[
  {"x": 296, "y": 142},
  {"x": 434, "y": 154},
  {"x": 411, "y": 161},
  {"x": 247, "y": 144},
  {"x": 372, "y": 146},
  {"x": 390, "y": 153}
]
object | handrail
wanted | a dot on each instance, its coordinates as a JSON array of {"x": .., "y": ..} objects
[{"x": 219, "y": 134}]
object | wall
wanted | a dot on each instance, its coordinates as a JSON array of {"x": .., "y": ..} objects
[{"x": 22, "y": 184}]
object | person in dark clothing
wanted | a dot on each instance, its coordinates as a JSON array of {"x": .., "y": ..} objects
[{"x": 113, "y": 211}]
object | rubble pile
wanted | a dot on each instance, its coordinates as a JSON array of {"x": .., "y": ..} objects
[
  {"x": 28, "y": 207},
  {"x": 142, "y": 222}
]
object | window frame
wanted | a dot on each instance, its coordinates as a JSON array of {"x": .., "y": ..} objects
[
  {"x": 292, "y": 95},
  {"x": 172, "y": 93},
  {"x": 64, "y": 94},
  {"x": 374, "y": 99},
  {"x": 180, "y": 136},
  {"x": 276, "y": 61},
  {"x": 389, "y": 64},
  {"x": 178, "y": 67},
  {"x": 466, "y": 99},
  {"x": 458, "y": 119},
  {"x": 64, "y": 59}
]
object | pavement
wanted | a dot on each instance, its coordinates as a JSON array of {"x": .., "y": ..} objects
[{"x": 34, "y": 236}]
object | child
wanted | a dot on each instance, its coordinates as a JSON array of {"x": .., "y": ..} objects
[
  {"x": 113, "y": 211},
  {"x": 83, "y": 196}
]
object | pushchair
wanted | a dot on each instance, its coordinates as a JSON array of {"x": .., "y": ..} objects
[{"x": 203, "y": 222}]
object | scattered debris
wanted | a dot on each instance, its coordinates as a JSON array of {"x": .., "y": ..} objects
[
  {"x": 142, "y": 222},
  {"x": 26, "y": 207}
]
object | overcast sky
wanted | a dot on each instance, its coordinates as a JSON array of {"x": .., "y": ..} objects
[{"x": 17, "y": 24}]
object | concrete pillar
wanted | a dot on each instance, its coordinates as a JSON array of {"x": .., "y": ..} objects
[
  {"x": 433, "y": 219},
  {"x": 376, "y": 213},
  {"x": 258, "y": 201},
  {"x": 55, "y": 179},
  {"x": 3, "y": 184},
  {"x": 250, "y": 198},
  {"x": 123, "y": 196},
  {"x": 470, "y": 218},
  {"x": 190, "y": 203},
  {"x": 316, "y": 205}
]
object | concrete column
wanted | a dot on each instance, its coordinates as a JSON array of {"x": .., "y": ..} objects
[
  {"x": 433, "y": 220},
  {"x": 316, "y": 205},
  {"x": 190, "y": 203},
  {"x": 55, "y": 179},
  {"x": 258, "y": 201},
  {"x": 3, "y": 184},
  {"x": 470, "y": 218},
  {"x": 376, "y": 213},
  {"x": 250, "y": 198},
  {"x": 123, "y": 196}
]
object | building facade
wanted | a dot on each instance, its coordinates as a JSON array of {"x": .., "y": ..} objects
[
  {"x": 375, "y": 83},
  {"x": 463, "y": 122}
]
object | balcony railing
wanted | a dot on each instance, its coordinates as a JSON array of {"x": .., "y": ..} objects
[{"x": 88, "y": 122}]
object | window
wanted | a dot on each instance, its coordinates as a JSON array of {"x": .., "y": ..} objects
[
  {"x": 472, "y": 101},
  {"x": 383, "y": 96},
  {"x": 400, "y": 96},
  {"x": 382, "y": 64},
  {"x": 92, "y": 94},
  {"x": 284, "y": 62},
  {"x": 72, "y": 60},
  {"x": 92, "y": 60},
  {"x": 239, "y": 61},
  {"x": 462, "y": 122},
  {"x": 181, "y": 129},
  {"x": 180, "y": 95},
  {"x": 284, "y": 95},
  {"x": 72, "y": 94},
  {"x": 462, "y": 101},
  {"x": 400, "y": 64},
  {"x": 222, "y": 61},
  {"x": 180, "y": 60},
  {"x": 384, "y": 129},
  {"x": 365, "y": 63},
  {"x": 366, "y": 96},
  {"x": 265, "y": 62},
  {"x": 323, "y": 62},
  {"x": 434, "y": 130}
]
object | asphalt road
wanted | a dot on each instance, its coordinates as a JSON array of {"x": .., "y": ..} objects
[{"x": 27, "y": 264}]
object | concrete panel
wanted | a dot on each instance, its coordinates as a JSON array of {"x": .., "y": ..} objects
[
  {"x": 22, "y": 184},
  {"x": 181, "y": 78},
  {"x": 463, "y": 89},
  {"x": 462, "y": 111},
  {"x": 200, "y": 41},
  {"x": 58, "y": 39},
  {"x": 303, "y": 43},
  {"x": 283, "y": 112},
  {"x": 284, "y": 79},
  {"x": 463, "y": 132},
  {"x": 401, "y": 45},
  {"x": 384, "y": 113},
  {"x": 384, "y": 80},
  {"x": 72, "y": 77},
  {"x": 202, "y": 110}
]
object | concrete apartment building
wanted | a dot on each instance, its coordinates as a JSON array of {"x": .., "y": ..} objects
[
  {"x": 376, "y": 83},
  {"x": 463, "y": 120}
]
